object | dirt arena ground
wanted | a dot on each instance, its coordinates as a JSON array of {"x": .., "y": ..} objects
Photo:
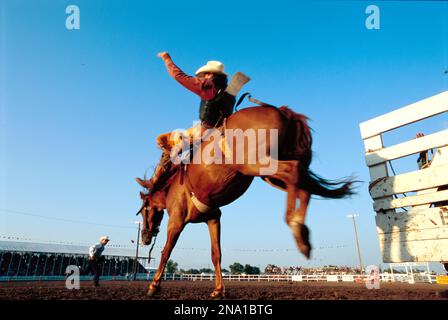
[{"x": 189, "y": 290}]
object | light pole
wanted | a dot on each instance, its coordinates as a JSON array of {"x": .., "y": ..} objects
[
  {"x": 353, "y": 216},
  {"x": 136, "y": 251}
]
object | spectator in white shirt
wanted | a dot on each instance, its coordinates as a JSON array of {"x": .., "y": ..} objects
[{"x": 95, "y": 259}]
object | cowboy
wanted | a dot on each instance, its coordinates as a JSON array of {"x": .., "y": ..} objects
[
  {"x": 95, "y": 259},
  {"x": 209, "y": 83}
]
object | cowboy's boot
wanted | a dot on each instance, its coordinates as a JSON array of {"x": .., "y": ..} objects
[{"x": 163, "y": 166}]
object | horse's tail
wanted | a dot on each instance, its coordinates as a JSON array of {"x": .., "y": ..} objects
[
  {"x": 328, "y": 188},
  {"x": 300, "y": 149}
]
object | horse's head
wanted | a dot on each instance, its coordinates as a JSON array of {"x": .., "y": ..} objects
[{"x": 152, "y": 217}]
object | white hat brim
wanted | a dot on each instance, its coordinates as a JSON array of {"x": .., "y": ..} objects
[{"x": 208, "y": 68}]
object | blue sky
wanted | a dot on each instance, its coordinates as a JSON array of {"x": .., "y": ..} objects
[{"x": 80, "y": 110}]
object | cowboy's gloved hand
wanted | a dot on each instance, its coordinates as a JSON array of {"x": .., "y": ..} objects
[{"x": 164, "y": 55}]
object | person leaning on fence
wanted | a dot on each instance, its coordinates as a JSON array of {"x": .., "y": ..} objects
[
  {"x": 96, "y": 259},
  {"x": 424, "y": 162}
]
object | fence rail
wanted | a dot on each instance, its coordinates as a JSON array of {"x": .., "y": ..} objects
[
  {"x": 310, "y": 278},
  {"x": 416, "y": 278}
]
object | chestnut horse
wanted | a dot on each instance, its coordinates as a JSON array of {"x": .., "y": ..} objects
[{"x": 196, "y": 192}]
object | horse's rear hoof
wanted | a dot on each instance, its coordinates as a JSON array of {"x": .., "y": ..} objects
[
  {"x": 305, "y": 248},
  {"x": 306, "y": 251},
  {"x": 153, "y": 290},
  {"x": 302, "y": 237},
  {"x": 217, "y": 295}
]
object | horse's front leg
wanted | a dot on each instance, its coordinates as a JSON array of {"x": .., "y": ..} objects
[
  {"x": 174, "y": 231},
  {"x": 214, "y": 228}
]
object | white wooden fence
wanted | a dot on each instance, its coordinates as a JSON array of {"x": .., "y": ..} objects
[
  {"x": 384, "y": 277},
  {"x": 421, "y": 233},
  {"x": 408, "y": 278}
]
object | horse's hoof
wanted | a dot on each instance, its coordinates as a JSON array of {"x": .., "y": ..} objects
[
  {"x": 153, "y": 290},
  {"x": 306, "y": 247},
  {"x": 302, "y": 237},
  {"x": 217, "y": 295},
  {"x": 306, "y": 251}
]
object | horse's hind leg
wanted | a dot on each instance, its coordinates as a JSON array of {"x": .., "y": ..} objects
[
  {"x": 296, "y": 221},
  {"x": 288, "y": 172},
  {"x": 285, "y": 170},
  {"x": 295, "y": 218}
]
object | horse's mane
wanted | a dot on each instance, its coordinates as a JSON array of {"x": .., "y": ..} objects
[{"x": 175, "y": 172}]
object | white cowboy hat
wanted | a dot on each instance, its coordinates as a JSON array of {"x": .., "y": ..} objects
[
  {"x": 104, "y": 238},
  {"x": 213, "y": 67}
]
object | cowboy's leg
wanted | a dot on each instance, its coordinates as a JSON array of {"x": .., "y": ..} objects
[
  {"x": 170, "y": 143},
  {"x": 164, "y": 141},
  {"x": 193, "y": 139},
  {"x": 186, "y": 138},
  {"x": 178, "y": 139}
]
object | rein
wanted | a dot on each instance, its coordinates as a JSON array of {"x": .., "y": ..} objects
[
  {"x": 145, "y": 204},
  {"x": 152, "y": 247},
  {"x": 249, "y": 97}
]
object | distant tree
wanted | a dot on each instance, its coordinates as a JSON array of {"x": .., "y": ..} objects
[
  {"x": 236, "y": 268},
  {"x": 225, "y": 271},
  {"x": 192, "y": 271},
  {"x": 171, "y": 266},
  {"x": 248, "y": 269},
  {"x": 206, "y": 270}
]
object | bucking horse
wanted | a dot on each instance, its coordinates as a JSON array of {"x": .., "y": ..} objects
[{"x": 197, "y": 190}]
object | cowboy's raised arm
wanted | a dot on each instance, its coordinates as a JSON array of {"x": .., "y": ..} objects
[{"x": 206, "y": 90}]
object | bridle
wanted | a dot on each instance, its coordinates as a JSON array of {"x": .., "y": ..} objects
[
  {"x": 145, "y": 220},
  {"x": 145, "y": 224},
  {"x": 145, "y": 204}
]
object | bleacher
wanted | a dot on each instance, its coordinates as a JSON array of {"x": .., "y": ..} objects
[{"x": 47, "y": 261}]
